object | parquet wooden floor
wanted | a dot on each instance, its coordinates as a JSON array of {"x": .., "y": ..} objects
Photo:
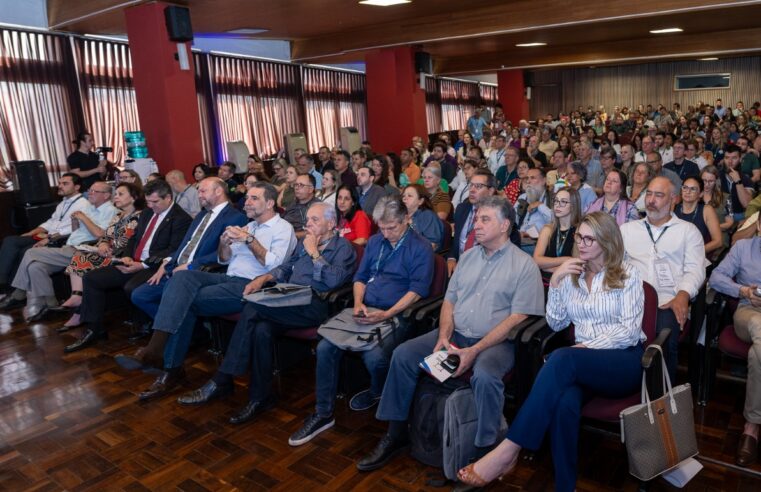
[{"x": 73, "y": 422}]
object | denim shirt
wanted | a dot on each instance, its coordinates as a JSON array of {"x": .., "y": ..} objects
[{"x": 333, "y": 269}]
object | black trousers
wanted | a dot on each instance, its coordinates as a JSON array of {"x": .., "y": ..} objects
[
  {"x": 97, "y": 283},
  {"x": 11, "y": 253}
]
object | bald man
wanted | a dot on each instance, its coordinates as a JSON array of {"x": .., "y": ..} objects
[{"x": 185, "y": 195}]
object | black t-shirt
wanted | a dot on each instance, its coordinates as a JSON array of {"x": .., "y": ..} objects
[{"x": 84, "y": 162}]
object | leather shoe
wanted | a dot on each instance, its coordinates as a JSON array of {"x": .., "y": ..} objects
[
  {"x": 139, "y": 361},
  {"x": 9, "y": 303},
  {"x": 142, "y": 332},
  {"x": 251, "y": 410},
  {"x": 205, "y": 394},
  {"x": 36, "y": 316},
  {"x": 166, "y": 382},
  {"x": 88, "y": 338},
  {"x": 747, "y": 450},
  {"x": 387, "y": 448}
]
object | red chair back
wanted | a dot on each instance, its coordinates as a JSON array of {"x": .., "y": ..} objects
[
  {"x": 360, "y": 252},
  {"x": 446, "y": 240},
  {"x": 650, "y": 315},
  {"x": 440, "y": 277}
]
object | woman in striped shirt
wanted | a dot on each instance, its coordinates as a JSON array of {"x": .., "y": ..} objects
[{"x": 603, "y": 297}]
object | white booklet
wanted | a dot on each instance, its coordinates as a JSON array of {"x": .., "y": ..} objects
[{"x": 432, "y": 364}]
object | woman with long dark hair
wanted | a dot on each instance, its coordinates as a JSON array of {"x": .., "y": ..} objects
[{"x": 353, "y": 223}]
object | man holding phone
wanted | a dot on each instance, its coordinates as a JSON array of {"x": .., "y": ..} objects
[
  {"x": 494, "y": 288},
  {"x": 396, "y": 270}
]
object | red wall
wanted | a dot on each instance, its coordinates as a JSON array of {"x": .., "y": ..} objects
[
  {"x": 395, "y": 101},
  {"x": 166, "y": 95},
  {"x": 511, "y": 93}
]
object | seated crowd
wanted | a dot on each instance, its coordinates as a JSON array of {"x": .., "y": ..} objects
[{"x": 564, "y": 218}]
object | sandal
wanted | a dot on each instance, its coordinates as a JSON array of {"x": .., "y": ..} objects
[{"x": 470, "y": 476}]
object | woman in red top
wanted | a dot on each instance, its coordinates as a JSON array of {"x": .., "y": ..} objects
[
  {"x": 514, "y": 189},
  {"x": 353, "y": 223}
]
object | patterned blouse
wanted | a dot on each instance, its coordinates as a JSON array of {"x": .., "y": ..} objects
[{"x": 117, "y": 234}]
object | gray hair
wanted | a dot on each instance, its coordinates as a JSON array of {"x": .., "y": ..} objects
[
  {"x": 501, "y": 205},
  {"x": 434, "y": 169},
  {"x": 390, "y": 209},
  {"x": 328, "y": 211}
]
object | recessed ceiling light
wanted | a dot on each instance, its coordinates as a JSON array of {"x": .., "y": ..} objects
[
  {"x": 666, "y": 30},
  {"x": 710, "y": 58},
  {"x": 529, "y": 45},
  {"x": 248, "y": 31},
  {"x": 384, "y": 3}
]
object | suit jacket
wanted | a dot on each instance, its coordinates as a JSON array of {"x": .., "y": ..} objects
[
  {"x": 206, "y": 250},
  {"x": 166, "y": 238},
  {"x": 460, "y": 218}
]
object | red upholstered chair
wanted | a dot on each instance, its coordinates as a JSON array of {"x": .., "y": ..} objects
[
  {"x": 720, "y": 334},
  {"x": 446, "y": 240}
]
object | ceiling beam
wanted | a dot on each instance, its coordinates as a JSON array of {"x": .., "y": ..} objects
[
  {"x": 509, "y": 17},
  {"x": 683, "y": 46}
]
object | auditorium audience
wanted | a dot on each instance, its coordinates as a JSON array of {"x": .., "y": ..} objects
[
  {"x": 369, "y": 193},
  {"x": 410, "y": 170},
  {"x": 693, "y": 210},
  {"x": 735, "y": 184},
  {"x": 421, "y": 216},
  {"x": 329, "y": 186},
  {"x": 439, "y": 199},
  {"x": 287, "y": 193},
  {"x": 33, "y": 280},
  {"x": 517, "y": 186},
  {"x": 353, "y": 223},
  {"x": 249, "y": 253},
  {"x": 296, "y": 212},
  {"x": 602, "y": 296},
  {"x": 85, "y": 163},
  {"x": 576, "y": 178},
  {"x": 305, "y": 165},
  {"x": 157, "y": 234},
  {"x": 469, "y": 166},
  {"x": 345, "y": 172},
  {"x": 555, "y": 243},
  {"x": 669, "y": 255},
  {"x": 322, "y": 260},
  {"x": 200, "y": 172},
  {"x": 495, "y": 287},
  {"x": 185, "y": 195},
  {"x": 739, "y": 275},
  {"x": 396, "y": 271}
]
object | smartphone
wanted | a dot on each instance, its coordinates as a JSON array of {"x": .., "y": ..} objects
[
  {"x": 360, "y": 316},
  {"x": 758, "y": 292},
  {"x": 451, "y": 363},
  {"x": 117, "y": 261}
]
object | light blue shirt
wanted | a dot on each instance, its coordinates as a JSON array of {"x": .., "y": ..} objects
[
  {"x": 587, "y": 195},
  {"x": 317, "y": 179},
  {"x": 476, "y": 126},
  {"x": 101, "y": 216},
  {"x": 539, "y": 217},
  {"x": 276, "y": 236}
]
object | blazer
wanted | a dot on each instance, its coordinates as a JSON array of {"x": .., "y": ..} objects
[
  {"x": 206, "y": 250},
  {"x": 166, "y": 238},
  {"x": 460, "y": 218}
]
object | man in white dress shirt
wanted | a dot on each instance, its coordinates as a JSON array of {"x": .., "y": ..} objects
[
  {"x": 669, "y": 254},
  {"x": 249, "y": 252}
]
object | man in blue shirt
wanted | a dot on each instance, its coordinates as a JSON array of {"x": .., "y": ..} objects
[
  {"x": 476, "y": 125},
  {"x": 396, "y": 271},
  {"x": 322, "y": 260}
]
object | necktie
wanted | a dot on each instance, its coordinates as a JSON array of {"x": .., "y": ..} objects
[
  {"x": 194, "y": 240},
  {"x": 470, "y": 239},
  {"x": 146, "y": 235}
]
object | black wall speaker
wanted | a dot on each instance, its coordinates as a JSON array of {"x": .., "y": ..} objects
[
  {"x": 178, "y": 23},
  {"x": 528, "y": 78},
  {"x": 423, "y": 62},
  {"x": 30, "y": 180}
]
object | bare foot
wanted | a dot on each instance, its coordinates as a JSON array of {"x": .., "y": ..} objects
[
  {"x": 73, "y": 321},
  {"x": 72, "y": 302}
]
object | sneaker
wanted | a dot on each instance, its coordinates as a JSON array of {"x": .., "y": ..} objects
[
  {"x": 313, "y": 425},
  {"x": 364, "y": 400}
]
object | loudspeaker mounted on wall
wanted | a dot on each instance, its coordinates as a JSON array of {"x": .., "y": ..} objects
[
  {"x": 30, "y": 180},
  {"x": 178, "y": 23},
  {"x": 423, "y": 63},
  {"x": 350, "y": 140}
]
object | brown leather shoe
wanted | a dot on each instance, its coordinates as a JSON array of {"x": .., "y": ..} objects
[
  {"x": 747, "y": 450},
  {"x": 165, "y": 383}
]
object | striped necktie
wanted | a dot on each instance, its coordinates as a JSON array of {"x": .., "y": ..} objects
[{"x": 194, "y": 240}]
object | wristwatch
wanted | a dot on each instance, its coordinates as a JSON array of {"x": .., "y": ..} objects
[
  {"x": 250, "y": 239},
  {"x": 315, "y": 256}
]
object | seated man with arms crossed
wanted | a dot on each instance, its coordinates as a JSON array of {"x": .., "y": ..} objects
[
  {"x": 322, "y": 260},
  {"x": 249, "y": 252},
  {"x": 396, "y": 270},
  {"x": 494, "y": 287}
]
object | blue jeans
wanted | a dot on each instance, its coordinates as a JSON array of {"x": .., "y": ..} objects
[
  {"x": 571, "y": 377},
  {"x": 148, "y": 297},
  {"x": 190, "y": 294},
  {"x": 329, "y": 363},
  {"x": 490, "y": 367},
  {"x": 253, "y": 341}
]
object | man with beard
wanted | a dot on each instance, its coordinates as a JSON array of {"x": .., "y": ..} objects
[
  {"x": 537, "y": 213},
  {"x": 673, "y": 265}
]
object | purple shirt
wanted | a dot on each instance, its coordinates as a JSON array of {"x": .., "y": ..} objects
[{"x": 741, "y": 267}]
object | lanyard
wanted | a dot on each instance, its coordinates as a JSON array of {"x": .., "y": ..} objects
[
  {"x": 65, "y": 211},
  {"x": 650, "y": 233},
  {"x": 179, "y": 196},
  {"x": 380, "y": 262}
]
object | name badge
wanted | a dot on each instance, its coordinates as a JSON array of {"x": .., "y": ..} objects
[{"x": 663, "y": 274}]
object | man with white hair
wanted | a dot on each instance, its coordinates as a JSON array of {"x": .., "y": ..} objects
[{"x": 322, "y": 260}]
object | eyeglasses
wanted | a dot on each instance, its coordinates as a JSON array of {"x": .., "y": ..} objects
[
  {"x": 692, "y": 189},
  {"x": 479, "y": 186},
  {"x": 301, "y": 185},
  {"x": 585, "y": 240},
  {"x": 561, "y": 203},
  {"x": 99, "y": 191}
]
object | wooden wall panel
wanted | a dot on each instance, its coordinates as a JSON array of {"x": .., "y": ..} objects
[{"x": 650, "y": 83}]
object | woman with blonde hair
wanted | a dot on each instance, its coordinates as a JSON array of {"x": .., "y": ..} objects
[{"x": 603, "y": 297}]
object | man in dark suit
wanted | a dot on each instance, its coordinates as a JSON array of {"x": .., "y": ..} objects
[
  {"x": 198, "y": 247},
  {"x": 482, "y": 184},
  {"x": 160, "y": 229}
]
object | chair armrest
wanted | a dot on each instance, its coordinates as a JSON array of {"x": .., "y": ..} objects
[
  {"x": 534, "y": 330},
  {"x": 412, "y": 310},
  {"x": 340, "y": 292},
  {"x": 429, "y": 309},
  {"x": 528, "y": 323},
  {"x": 651, "y": 353},
  {"x": 213, "y": 268}
]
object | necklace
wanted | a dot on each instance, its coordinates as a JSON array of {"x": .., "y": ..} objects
[{"x": 560, "y": 240}]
